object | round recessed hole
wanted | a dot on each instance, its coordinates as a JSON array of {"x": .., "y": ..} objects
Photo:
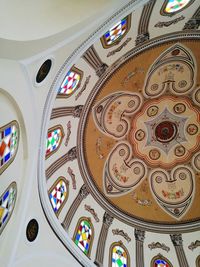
[
  {"x": 43, "y": 71},
  {"x": 32, "y": 230}
]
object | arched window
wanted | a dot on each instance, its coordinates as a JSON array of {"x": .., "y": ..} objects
[
  {"x": 70, "y": 83},
  {"x": 116, "y": 33},
  {"x": 171, "y": 7},
  {"x": 84, "y": 234},
  {"x": 160, "y": 261},
  {"x": 9, "y": 140},
  {"x": 7, "y": 203},
  {"x": 119, "y": 256},
  {"x": 54, "y": 139},
  {"x": 58, "y": 194}
]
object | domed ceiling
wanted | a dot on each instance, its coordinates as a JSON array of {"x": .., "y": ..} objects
[
  {"x": 123, "y": 139},
  {"x": 138, "y": 138}
]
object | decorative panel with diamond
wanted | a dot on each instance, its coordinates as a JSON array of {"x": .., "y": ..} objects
[
  {"x": 83, "y": 236},
  {"x": 119, "y": 255},
  {"x": 116, "y": 33},
  {"x": 54, "y": 139},
  {"x": 7, "y": 202},
  {"x": 71, "y": 82},
  {"x": 58, "y": 194},
  {"x": 9, "y": 139}
]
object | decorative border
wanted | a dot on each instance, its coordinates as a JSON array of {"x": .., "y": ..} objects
[
  {"x": 119, "y": 243},
  {"x": 14, "y": 185},
  {"x": 163, "y": 13},
  {"x": 143, "y": 33},
  {"x": 92, "y": 235},
  {"x": 160, "y": 256},
  {"x": 61, "y": 178},
  {"x": 116, "y": 212},
  {"x": 77, "y": 71},
  {"x": 116, "y": 42},
  {"x": 69, "y": 156},
  {"x": 58, "y": 126},
  {"x": 14, "y": 122}
]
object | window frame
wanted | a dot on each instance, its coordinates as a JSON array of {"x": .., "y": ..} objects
[
  {"x": 116, "y": 42},
  {"x": 14, "y": 185},
  {"x": 61, "y": 178},
  {"x": 10, "y": 124},
  {"x": 92, "y": 235},
  {"x": 161, "y": 257},
  {"x": 164, "y": 13},
  {"x": 77, "y": 71},
  {"x": 119, "y": 243},
  {"x": 58, "y": 126}
]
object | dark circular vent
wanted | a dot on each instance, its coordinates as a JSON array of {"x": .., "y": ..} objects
[
  {"x": 32, "y": 230},
  {"x": 43, "y": 71}
]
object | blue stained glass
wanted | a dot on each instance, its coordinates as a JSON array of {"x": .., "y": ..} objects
[
  {"x": 123, "y": 22},
  {"x": 5, "y": 196},
  {"x": 7, "y": 157},
  {"x": 5, "y": 217},
  {"x": 7, "y": 201},
  {"x": 7, "y": 131}
]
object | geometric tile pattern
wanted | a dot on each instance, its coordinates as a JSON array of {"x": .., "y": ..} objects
[
  {"x": 119, "y": 257},
  {"x": 54, "y": 138},
  {"x": 8, "y": 143},
  {"x": 116, "y": 32},
  {"x": 58, "y": 194},
  {"x": 83, "y": 235},
  {"x": 160, "y": 263},
  {"x": 7, "y": 201},
  {"x": 175, "y": 5},
  {"x": 71, "y": 82}
]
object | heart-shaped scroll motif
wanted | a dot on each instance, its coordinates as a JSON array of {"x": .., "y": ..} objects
[
  {"x": 173, "y": 70},
  {"x": 121, "y": 172},
  {"x": 173, "y": 192},
  {"x": 111, "y": 114}
]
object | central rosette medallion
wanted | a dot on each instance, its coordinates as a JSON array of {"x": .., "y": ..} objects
[{"x": 163, "y": 133}]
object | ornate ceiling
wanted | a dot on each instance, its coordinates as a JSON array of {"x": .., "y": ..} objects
[{"x": 121, "y": 127}]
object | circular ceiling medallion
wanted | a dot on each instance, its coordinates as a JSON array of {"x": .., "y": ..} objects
[
  {"x": 32, "y": 230},
  {"x": 149, "y": 132},
  {"x": 43, "y": 71},
  {"x": 165, "y": 131}
]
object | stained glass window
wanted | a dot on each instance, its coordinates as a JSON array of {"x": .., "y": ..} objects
[
  {"x": 7, "y": 202},
  {"x": 119, "y": 255},
  {"x": 54, "y": 139},
  {"x": 116, "y": 33},
  {"x": 84, "y": 235},
  {"x": 58, "y": 194},
  {"x": 173, "y": 6},
  {"x": 9, "y": 139},
  {"x": 160, "y": 261},
  {"x": 70, "y": 83}
]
